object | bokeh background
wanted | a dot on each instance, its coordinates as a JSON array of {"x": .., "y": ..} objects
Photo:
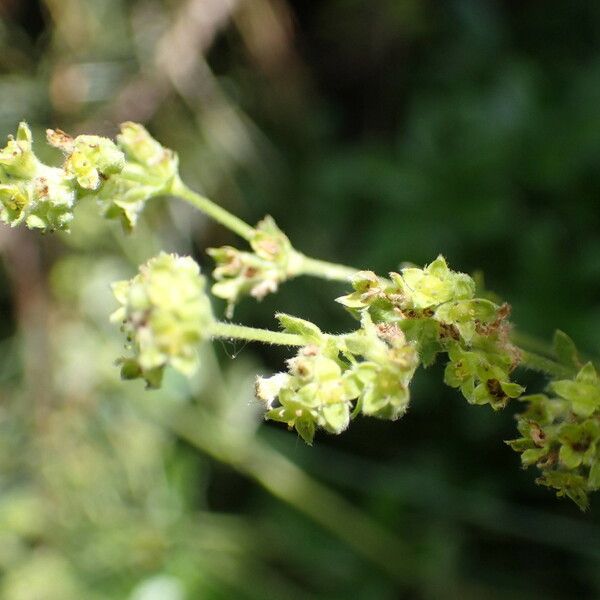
[{"x": 374, "y": 133}]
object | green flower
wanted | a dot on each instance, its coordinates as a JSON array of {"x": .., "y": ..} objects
[
  {"x": 17, "y": 160},
  {"x": 579, "y": 443},
  {"x": 467, "y": 315},
  {"x": 256, "y": 273},
  {"x": 367, "y": 289},
  {"x": 483, "y": 378},
  {"x": 90, "y": 158},
  {"x": 314, "y": 393},
  {"x": 383, "y": 377},
  {"x": 51, "y": 201},
  {"x": 31, "y": 192},
  {"x": 149, "y": 171},
  {"x": 433, "y": 285},
  {"x": 165, "y": 314},
  {"x": 567, "y": 484},
  {"x": 14, "y": 200},
  {"x": 561, "y": 436},
  {"x": 384, "y": 389},
  {"x": 583, "y": 392}
]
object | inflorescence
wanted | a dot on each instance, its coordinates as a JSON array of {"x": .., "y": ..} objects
[
  {"x": 407, "y": 320},
  {"x": 120, "y": 176}
]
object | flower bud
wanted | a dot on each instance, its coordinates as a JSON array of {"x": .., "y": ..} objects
[
  {"x": 141, "y": 148},
  {"x": 270, "y": 243},
  {"x": 239, "y": 274},
  {"x": 17, "y": 159}
]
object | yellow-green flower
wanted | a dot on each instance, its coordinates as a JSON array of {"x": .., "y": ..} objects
[{"x": 31, "y": 192}]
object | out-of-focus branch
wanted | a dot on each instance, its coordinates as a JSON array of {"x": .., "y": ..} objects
[
  {"x": 177, "y": 61},
  {"x": 289, "y": 483},
  {"x": 20, "y": 251},
  {"x": 181, "y": 48}
]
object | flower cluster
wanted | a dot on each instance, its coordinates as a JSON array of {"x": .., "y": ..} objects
[
  {"x": 90, "y": 159},
  {"x": 121, "y": 176},
  {"x": 149, "y": 171},
  {"x": 437, "y": 310},
  {"x": 334, "y": 377},
  {"x": 31, "y": 192},
  {"x": 560, "y": 434},
  {"x": 165, "y": 313},
  {"x": 405, "y": 321},
  {"x": 256, "y": 273}
]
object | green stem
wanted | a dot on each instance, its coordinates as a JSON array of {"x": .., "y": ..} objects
[
  {"x": 307, "y": 265},
  {"x": 214, "y": 211},
  {"x": 531, "y": 344},
  {"x": 540, "y": 363},
  {"x": 537, "y": 346},
  {"x": 324, "y": 269},
  {"x": 241, "y": 332}
]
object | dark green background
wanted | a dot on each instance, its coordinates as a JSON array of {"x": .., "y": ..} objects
[{"x": 374, "y": 133}]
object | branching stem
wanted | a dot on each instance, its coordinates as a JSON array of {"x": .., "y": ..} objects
[
  {"x": 315, "y": 268},
  {"x": 307, "y": 265},
  {"x": 529, "y": 360}
]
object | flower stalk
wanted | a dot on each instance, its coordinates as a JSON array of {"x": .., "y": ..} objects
[
  {"x": 220, "y": 329},
  {"x": 542, "y": 364},
  {"x": 211, "y": 209}
]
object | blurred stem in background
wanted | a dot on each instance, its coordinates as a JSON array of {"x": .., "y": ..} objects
[{"x": 289, "y": 483}]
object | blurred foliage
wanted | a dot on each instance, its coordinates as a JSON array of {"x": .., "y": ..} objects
[{"x": 374, "y": 134}]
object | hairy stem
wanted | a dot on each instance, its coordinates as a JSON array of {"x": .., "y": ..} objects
[
  {"x": 214, "y": 211},
  {"x": 530, "y": 343},
  {"x": 530, "y": 360},
  {"x": 307, "y": 265},
  {"x": 324, "y": 269},
  {"x": 537, "y": 362},
  {"x": 253, "y": 334}
]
